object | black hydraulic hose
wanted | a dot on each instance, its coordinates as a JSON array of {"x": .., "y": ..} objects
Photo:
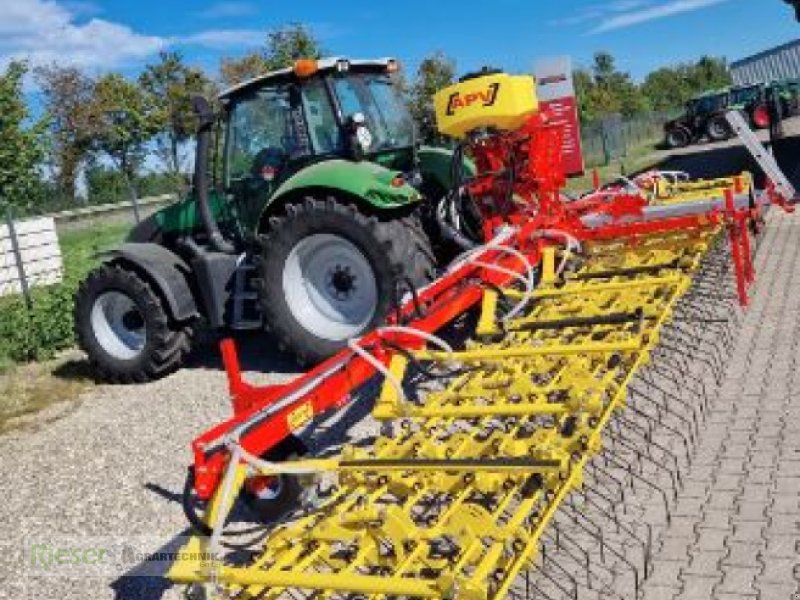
[
  {"x": 187, "y": 502},
  {"x": 423, "y": 369},
  {"x": 200, "y": 180},
  {"x": 419, "y": 311},
  {"x": 466, "y": 237}
]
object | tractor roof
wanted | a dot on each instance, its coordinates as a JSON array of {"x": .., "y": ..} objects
[{"x": 323, "y": 65}]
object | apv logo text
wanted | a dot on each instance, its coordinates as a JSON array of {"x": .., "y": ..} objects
[{"x": 486, "y": 97}]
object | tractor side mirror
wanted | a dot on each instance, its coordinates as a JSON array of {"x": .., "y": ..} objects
[{"x": 359, "y": 137}]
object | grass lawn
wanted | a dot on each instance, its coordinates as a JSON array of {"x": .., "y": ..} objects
[
  {"x": 38, "y": 366},
  {"x": 80, "y": 247}
]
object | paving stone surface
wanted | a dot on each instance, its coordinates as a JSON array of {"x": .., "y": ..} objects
[
  {"x": 706, "y": 504},
  {"x": 745, "y": 474}
]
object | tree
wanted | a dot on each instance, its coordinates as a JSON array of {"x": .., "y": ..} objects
[
  {"x": 67, "y": 95},
  {"x": 283, "y": 46},
  {"x": 21, "y": 144},
  {"x": 126, "y": 122},
  {"x": 666, "y": 88},
  {"x": 434, "y": 73},
  {"x": 708, "y": 73},
  {"x": 670, "y": 87},
  {"x": 603, "y": 90},
  {"x": 170, "y": 84}
]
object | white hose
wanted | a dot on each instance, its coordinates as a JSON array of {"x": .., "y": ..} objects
[
  {"x": 470, "y": 257},
  {"x": 277, "y": 468},
  {"x": 412, "y": 331},
  {"x": 378, "y": 365},
  {"x": 498, "y": 269},
  {"x": 599, "y": 194},
  {"x": 630, "y": 183}
]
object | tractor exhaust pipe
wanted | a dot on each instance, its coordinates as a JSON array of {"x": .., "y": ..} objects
[{"x": 205, "y": 116}]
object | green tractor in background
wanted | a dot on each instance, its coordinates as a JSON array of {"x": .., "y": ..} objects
[
  {"x": 312, "y": 230},
  {"x": 705, "y": 114}
]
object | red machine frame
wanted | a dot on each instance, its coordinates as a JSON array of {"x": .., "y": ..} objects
[{"x": 264, "y": 416}]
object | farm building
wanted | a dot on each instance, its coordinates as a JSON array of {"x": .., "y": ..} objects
[{"x": 782, "y": 62}]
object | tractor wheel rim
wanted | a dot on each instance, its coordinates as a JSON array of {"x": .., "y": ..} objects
[
  {"x": 330, "y": 286},
  {"x": 118, "y": 325}
]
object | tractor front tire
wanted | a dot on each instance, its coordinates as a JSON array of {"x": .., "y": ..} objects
[
  {"x": 679, "y": 137},
  {"x": 329, "y": 272},
  {"x": 122, "y": 325},
  {"x": 718, "y": 129}
]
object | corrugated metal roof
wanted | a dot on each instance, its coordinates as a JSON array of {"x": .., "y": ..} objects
[{"x": 781, "y": 62}]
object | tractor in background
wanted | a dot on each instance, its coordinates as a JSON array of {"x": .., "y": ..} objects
[
  {"x": 704, "y": 117},
  {"x": 314, "y": 220}
]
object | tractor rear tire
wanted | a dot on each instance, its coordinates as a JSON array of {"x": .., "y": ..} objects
[
  {"x": 329, "y": 272},
  {"x": 718, "y": 129},
  {"x": 678, "y": 137},
  {"x": 122, "y": 325}
]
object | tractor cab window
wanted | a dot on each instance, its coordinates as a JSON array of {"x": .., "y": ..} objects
[
  {"x": 709, "y": 104},
  {"x": 746, "y": 95},
  {"x": 267, "y": 130},
  {"x": 322, "y": 126},
  {"x": 376, "y": 97}
]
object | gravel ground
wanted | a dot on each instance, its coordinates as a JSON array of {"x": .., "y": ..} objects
[
  {"x": 111, "y": 466},
  {"x": 108, "y": 469}
]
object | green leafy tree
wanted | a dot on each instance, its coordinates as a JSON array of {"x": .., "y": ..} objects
[
  {"x": 709, "y": 73},
  {"x": 666, "y": 88},
  {"x": 584, "y": 82},
  {"x": 67, "y": 93},
  {"x": 127, "y": 121},
  {"x": 614, "y": 91},
  {"x": 21, "y": 144},
  {"x": 603, "y": 90},
  {"x": 105, "y": 185},
  {"x": 670, "y": 87},
  {"x": 171, "y": 83},
  {"x": 434, "y": 73},
  {"x": 283, "y": 46}
]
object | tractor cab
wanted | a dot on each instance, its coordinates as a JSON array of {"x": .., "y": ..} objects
[
  {"x": 281, "y": 122},
  {"x": 706, "y": 104}
]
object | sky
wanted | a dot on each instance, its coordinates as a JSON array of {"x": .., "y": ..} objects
[{"x": 642, "y": 34}]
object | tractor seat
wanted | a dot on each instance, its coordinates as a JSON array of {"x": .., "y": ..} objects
[{"x": 268, "y": 163}]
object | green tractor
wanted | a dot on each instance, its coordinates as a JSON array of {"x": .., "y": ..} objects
[
  {"x": 705, "y": 115},
  {"x": 311, "y": 226}
]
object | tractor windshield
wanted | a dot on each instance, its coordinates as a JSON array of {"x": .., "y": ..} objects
[{"x": 376, "y": 97}]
